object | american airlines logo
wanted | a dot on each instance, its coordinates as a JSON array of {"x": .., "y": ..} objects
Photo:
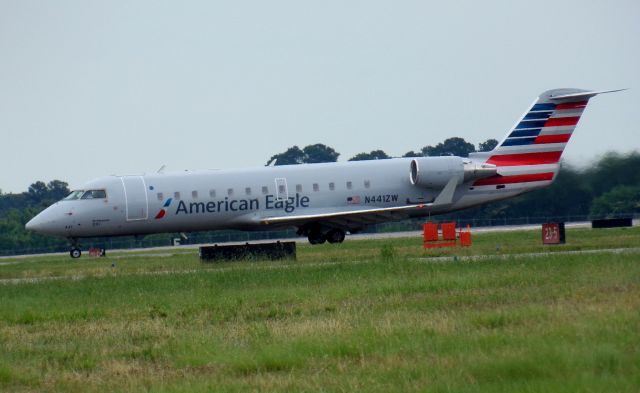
[{"x": 163, "y": 211}]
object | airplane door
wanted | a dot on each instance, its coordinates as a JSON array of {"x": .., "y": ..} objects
[
  {"x": 135, "y": 195},
  {"x": 282, "y": 193}
]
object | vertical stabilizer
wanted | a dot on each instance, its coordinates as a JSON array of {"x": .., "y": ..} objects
[{"x": 529, "y": 155}]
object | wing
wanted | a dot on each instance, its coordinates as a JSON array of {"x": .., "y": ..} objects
[
  {"x": 357, "y": 218},
  {"x": 347, "y": 219}
]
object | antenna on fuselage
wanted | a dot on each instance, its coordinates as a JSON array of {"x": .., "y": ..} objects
[{"x": 161, "y": 170}]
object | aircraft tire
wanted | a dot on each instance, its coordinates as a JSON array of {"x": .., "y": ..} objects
[
  {"x": 316, "y": 238},
  {"x": 335, "y": 236},
  {"x": 75, "y": 253}
]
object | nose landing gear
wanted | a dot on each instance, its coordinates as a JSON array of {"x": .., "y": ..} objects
[{"x": 75, "y": 251}]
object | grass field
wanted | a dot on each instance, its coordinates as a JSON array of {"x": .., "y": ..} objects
[{"x": 370, "y": 315}]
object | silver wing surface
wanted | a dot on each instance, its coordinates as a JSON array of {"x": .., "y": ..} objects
[
  {"x": 346, "y": 219},
  {"x": 358, "y": 218}
]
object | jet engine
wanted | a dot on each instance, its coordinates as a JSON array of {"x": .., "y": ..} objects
[{"x": 435, "y": 172}]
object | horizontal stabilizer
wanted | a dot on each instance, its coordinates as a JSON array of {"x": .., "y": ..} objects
[{"x": 584, "y": 94}]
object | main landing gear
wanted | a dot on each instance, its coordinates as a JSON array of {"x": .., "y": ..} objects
[
  {"x": 317, "y": 236},
  {"x": 335, "y": 236}
]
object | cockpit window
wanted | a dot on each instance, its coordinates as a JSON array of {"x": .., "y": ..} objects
[
  {"x": 74, "y": 195},
  {"x": 94, "y": 194}
]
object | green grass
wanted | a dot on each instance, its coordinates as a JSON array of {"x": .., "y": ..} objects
[{"x": 362, "y": 316}]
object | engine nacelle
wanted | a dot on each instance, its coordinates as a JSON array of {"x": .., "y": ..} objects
[{"x": 435, "y": 172}]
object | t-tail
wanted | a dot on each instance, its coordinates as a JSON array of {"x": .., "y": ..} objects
[{"x": 529, "y": 155}]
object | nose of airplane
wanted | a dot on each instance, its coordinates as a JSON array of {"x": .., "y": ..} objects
[
  {"x": 35, "y": 224},
  {"x": 42, "y": 223},
  {"x": 31, "y": 225}
]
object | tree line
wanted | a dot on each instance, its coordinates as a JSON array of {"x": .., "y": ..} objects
[
  {"x": 318, "y": 152},
  {"x": 609, "y": 187},
  {"x": 17, "y": 209}
]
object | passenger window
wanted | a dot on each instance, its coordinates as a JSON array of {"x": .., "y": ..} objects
[
  {"x": 212, "y": 193},
  {"x": 349, "y": 185},
  {"x": 247, "y": 190},
  {"x": 194, "y": 194},
  {"x": 367, "y": 184},
  {"x": 176, "y": 195},
  {"x": 281, "y": 189},
  {"x": 230, "y": 191},
  {"x": 298, "y": 187},
  {"x": 160, "y": 197},
  {"x": 265, "y": 190},
  {"x": 332, "y": 186},
  {"x": 316, "y": 187}
]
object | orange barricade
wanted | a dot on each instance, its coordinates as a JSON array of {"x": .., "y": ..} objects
[
  {"x": 465, "y": 238},
  {"x": 449, "y": 230},
  {"x": 449, "y": 235},
  {"x": 430, "y": 232},
  {"x": 96, "y": 252}
]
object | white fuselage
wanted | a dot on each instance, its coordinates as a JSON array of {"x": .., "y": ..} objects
[{"x": 240, "y": 199}]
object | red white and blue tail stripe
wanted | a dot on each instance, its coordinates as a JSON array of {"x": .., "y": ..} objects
[{"x": 529, "y": 156}]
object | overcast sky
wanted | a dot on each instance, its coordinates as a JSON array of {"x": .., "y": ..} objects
[{"x": 92, "y": 88}]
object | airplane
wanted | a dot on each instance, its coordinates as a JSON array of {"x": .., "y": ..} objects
[{"x": 322, "y": 201}]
